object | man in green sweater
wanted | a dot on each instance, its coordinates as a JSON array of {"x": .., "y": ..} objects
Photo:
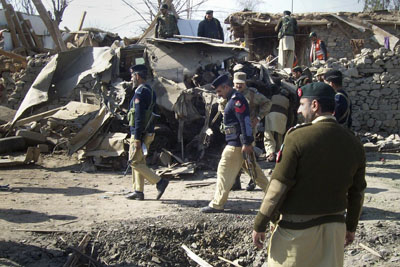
[{"x": 317, "y": 188}]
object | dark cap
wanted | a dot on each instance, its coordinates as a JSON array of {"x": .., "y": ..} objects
[
  {"x": 312, "y": 34},
  {"x": 138, "y": 68},
  {"x": 317, "y": 90},
  {"x": 298, "y": 69},
  {"x": 287, "y": 12},
  {"x": 333, "y": 75},
  {"x": 209, "y": 12},
  {"x": 222, "y": 79},
  {"x": 164, "y": 6}
]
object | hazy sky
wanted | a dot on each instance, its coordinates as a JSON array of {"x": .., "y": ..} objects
[{"x": 115, "y": 16}]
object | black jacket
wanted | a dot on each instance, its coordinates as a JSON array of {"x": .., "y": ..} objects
[{"x": 210, "y": 29}]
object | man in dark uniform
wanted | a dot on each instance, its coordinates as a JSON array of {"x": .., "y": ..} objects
[
  {"x": 239, "y": 138},
  {"x": 141, "y": 125},
  {"x": 317, "y": 179},
  {"x": 166, "y": 25},
  {"x": 210, "y": 27},
  {"x": 343, "y": 107},
  {"x": 299, "y": 78}
]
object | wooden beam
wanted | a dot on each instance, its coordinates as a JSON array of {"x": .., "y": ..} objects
[
  {"x": 82, "y": 20},
  {"x": 17, "y": 57},
  {"x": 18, "y": 28},
  {"x": 35, "y": 37},
  {"x": 25, "y": 30},
  {"x": 51, "y": 25},
  {"x": 10, "y": 23}
]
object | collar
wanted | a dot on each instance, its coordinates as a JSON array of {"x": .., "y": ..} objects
[
  {"x": 323, "y": 118},
  {"x": 229, "y": 96}
]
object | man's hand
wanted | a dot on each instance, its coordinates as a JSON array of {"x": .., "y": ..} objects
[
  {"x": 248, "y": 149},
  {"x": 137, "y": 144},
  {"x": 258, "y": 239},
  {"x": 349, "y": 238},
  {"x": 254, "y": 122}
]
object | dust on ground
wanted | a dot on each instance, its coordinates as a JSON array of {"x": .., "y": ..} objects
[{"x": 65, "y": 204}]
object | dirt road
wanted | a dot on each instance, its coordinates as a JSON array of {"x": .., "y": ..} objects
[{"x": 61, "y": 204}]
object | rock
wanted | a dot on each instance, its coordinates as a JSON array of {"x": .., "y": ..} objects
[
  {"x": 370, "y": 147},
  {"x": 32, "y": 138}
]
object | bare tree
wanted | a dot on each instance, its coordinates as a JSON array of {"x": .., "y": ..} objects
[
  {"x": 147, "y": 10},
  {"x": 371, "y": 5},
  {"x": 24, "y": 6},
  {"x": 248, "y": 4},
  {"x": 59, "y": 7}
]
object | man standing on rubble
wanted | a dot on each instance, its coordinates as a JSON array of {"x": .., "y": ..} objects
[
  {"x": 259, "y": 107},
  {"x": 286, "y": 28},
  {"x": 210, "y": 27},
  {"x": 239, "y": 138},
  {"x": 140, "y": 117},
  {"x": 343, "y": 107},
  {"x": 318, "y": 49},
  {"x": 166, "y": 25},
  {"x": 315, "y": 182}
]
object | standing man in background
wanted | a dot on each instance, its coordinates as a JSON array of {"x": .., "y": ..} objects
[
  {"x": 316, "y": 181},
  {"x": 166, "y": 25},
  {"x": 140, "y": 118},
  {"x": 210, "y": 27},
  {"x": 318, "y": 49},
  {"x": 287, "y": 29}
]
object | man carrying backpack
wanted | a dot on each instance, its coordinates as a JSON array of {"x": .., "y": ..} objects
[{"x": 286, "y": 28}]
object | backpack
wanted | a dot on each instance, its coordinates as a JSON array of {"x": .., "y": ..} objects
[{"x": 287, "y": 28}]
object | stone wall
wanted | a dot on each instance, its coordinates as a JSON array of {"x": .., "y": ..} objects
[{"x": 372, "y": 80}]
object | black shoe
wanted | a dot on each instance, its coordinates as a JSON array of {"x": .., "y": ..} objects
[
  {"x": 208, "y": 209},
  {"x": 161, "y": 185},
  {"x": 251, "y": 187},
  {"x": 237, "y": 186},
  {"x": 135, "y": 195}
]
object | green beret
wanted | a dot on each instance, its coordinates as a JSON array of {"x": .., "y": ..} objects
[
  {"x": 222, "y": 79},
  {"x": 317, "y": 90}
]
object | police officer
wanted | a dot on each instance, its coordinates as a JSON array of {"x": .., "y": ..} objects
[
  {"x": 166, "y": 25},
  {"x": 259, "y": 106},
  {"x": 343, "y": 107},
  {"x": 315, "y": 181},
  {"x": 141, "y": 124},
  {"x": 299, "y": 79},
  {"x": 239, "y": 138}
]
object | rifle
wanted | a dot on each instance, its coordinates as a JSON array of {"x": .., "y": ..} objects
[{"x": 249, "y": 162}]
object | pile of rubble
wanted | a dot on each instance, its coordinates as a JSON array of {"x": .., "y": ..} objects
[{"x": 372, "y": 80}]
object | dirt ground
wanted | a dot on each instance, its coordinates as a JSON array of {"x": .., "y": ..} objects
[{"x": 51, "y": 207}]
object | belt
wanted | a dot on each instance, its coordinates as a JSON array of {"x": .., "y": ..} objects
[
  {"x": 279, "y": 109},
  {"x": 298, "y": 222},
  {"x": 230, "y": 130}
]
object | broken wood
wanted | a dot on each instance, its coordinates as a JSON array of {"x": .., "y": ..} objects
[
  {"x": 82, "y": 20},
  {"x": 195, "y": 257},
  {"x": 189, "y": 185},
  {"x": 92, "y": 260},
  {"x": 10, "y": 24},
  {"x": 50, "y": 25},
  {"x": 43, "y": 231},
  {"x": 172, "y": 155},
  {"x": 18, "y": 28},
  {"x": 16, "y": 57},
  {"x": 230, "y": 262},
  {"x": 73, "y": 259},
  {"x": 35, "y": 37},
  {"x": 25, "y": 30},
  {"x": 370, "y": 250}
]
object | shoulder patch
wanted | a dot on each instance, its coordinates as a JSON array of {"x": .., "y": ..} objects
[
  {"x": 298, "y": 126},
  {"x": 137, "y": 100},
  {"x": 239, "y": 106}
]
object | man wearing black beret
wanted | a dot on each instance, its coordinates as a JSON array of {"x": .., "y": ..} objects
[
  {"x": 239, "y": 139},
  {"x": 210, "y": 27},
  {"x": 343, "y": 107},
  {"x": 317, "y": 188}
]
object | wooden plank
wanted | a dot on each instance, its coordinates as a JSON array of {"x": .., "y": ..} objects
[
  {"x": 18, "y": 28},
  {"x": 36, "y": 38},
  {"x": 17, "y": 57},
  {"x": 82, "y": 20},
  {"x": 25, "y": 30},
  {"x": 196, "y": 258},
  {"x": 370, "y": 250},
  {"x": 10, "y": 23}
]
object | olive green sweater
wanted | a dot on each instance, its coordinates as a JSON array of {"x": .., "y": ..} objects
[{"x": 326, "y": 163}]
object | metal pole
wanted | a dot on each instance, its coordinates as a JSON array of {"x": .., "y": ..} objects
[{"x": 292, "y": 6}]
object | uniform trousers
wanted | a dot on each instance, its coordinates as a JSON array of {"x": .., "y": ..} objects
[
  {"x": 140, "y": 171},
  {"x": 318, "y": 246},
  {"x": 228, "y": 167},
  {"x": 272, "y": 142}
]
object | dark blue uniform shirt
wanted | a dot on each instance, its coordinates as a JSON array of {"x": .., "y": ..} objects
[
  {"x": 142, "y": 101},
  {"x": 343, "y": 108},
  {"x": 237, "y": 117}
]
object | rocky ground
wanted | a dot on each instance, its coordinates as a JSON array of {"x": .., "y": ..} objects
[{"x": 51, "y": 207}]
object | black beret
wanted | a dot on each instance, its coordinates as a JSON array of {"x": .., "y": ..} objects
[
  {"x": 222, "y": 79},
  {"x": 138, "y": 68},
  {"x": 298, "y": 69},
  {"x": 164, "y": 6},
  {"x": 317, "y": 90},
  {"x": 333, "y": 74},
  {"x": 287, "y": 12},
  {"x": 209, "y": 12}
]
